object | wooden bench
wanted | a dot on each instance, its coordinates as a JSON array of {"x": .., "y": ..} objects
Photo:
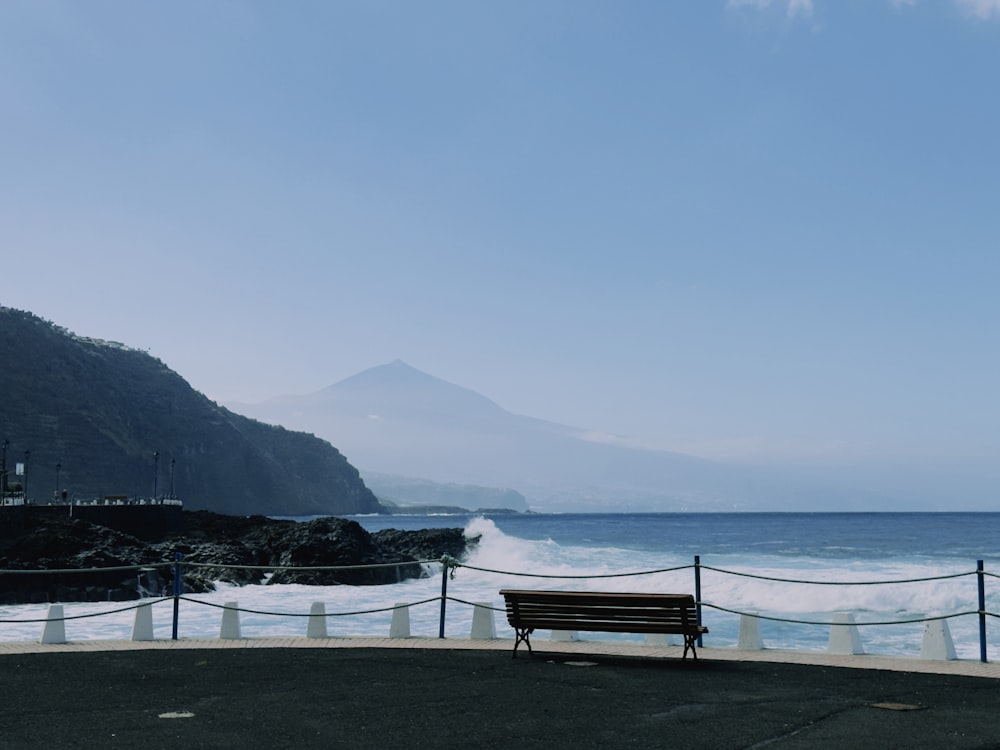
[{"x": 673, "y": 614}]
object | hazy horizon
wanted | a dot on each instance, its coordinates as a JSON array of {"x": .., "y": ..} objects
[
  {"x": 758, "y": 231},
  {"x": 395, "y": 420}
]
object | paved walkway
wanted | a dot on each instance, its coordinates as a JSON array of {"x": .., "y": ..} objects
[
  {"x": 964, "y": 667},
  {"x": 455, "y": 693}
]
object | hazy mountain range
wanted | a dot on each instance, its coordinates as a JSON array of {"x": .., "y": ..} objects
[
  {"x": 396, "y": 420},
  {"x": 93, "y": 414}
]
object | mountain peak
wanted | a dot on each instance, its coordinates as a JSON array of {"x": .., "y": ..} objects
[
  {"x": 409, "y": 389},
  {"x": 396, "y": 373}
]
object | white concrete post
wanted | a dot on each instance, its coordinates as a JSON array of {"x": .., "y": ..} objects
[
  {"x": 483, "y": 626},
  {"x": 750, "y": 639},
  {"x": 230, "y": 622},
  {"x": 937, "y": 642},
  {"x": 565, "y": 636},
  {"x": 317, "y": 621},
  {"x": 844, "y": 636},
  {"x": 54, "y": 630},
  {"x": 400, "y": 626},
  {"x": 142, "y": 628}
]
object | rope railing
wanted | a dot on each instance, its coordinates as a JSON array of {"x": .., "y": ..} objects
[
  {"x": 838, "y": 583},
  {"x": 143, "y": 603},
  {"x": 980, "y": 583},
  {"x": 407, "y": 605},
  {"x": 456, "y": 564},
  {"x": 561, "y": 576},
  {"x": 310, "y": 568},
  {"x": 206, "y": 565},
  {"x": 310, "y": 614},
  {"x": 66, "y": 571},
  {"x": 906, "y": 621},
  {"x": 475, "y": 604},
  {"x": 450, "y": 565}
]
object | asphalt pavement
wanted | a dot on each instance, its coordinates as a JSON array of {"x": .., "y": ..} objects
[{"x": 460, "y": 698}]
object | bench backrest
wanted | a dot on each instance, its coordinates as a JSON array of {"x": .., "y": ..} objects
[{"x": 609, "y": 612}]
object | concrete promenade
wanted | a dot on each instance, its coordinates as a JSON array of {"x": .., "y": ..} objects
[
  {"x": 451, "y": 693},
  {"x": 592, "y": 645}
]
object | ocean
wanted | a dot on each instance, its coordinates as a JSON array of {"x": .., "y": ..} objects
[{"x": 810, "y": 551}]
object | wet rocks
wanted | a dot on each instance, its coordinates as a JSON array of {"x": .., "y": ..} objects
[
  {"x": 213, "y": 547},
  {"x": 427, "y": 544}
]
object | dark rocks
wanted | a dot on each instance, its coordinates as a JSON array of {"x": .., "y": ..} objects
[
  {"x": 426, "y": 544},
  {"x": 214, "y": 547},
  {"x": 62, "y": 544}
]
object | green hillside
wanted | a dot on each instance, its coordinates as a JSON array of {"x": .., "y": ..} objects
[{"x": 100, "y": 411}]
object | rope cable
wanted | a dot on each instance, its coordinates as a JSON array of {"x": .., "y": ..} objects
[
  {"x": 814, "y": 622},
  {"x": 94, "y": 614},
  {"x": 309, "y": 614},
  {"x": 476, "y": 604},
  {"x": 111, "y": 569},
  {"x": 296, "y": 568},
  {"x": 553, "y": 575},
  {"x": 836, "y": 583}
]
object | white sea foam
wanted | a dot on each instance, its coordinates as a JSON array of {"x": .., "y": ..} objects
[{"x": 499, "y": 556}]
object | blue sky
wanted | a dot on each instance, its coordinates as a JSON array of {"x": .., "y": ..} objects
[{"x": 747, "y": 229}]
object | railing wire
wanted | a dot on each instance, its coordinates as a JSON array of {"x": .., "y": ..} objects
[
  {"x": 456, "y": 564},
  {"x": 450, "y": 565},
  {"x": 838, "y": 583},
  {"x": 143, "y": 603},
  {"x": 308, "y": 614},
  {"x": 906, "y": 621}
]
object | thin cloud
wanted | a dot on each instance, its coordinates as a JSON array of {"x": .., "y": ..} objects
[
  {"x": 800, "y": 8},
  {"x": 984, "y": 9},
  {"x": 793, "y": 7},
  {"x": 981, "y": 9}
]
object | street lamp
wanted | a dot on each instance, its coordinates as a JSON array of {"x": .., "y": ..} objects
[
  {"x": 58, "y": 467},
  {"x": 3, "y": 470},
  {"x": 173, "y": 463},
  {"x": 156, "y": 471}
]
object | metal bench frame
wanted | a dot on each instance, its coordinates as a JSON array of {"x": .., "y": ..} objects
[{"x": 672, "y": 614}]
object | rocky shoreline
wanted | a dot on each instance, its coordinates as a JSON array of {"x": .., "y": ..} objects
[{"x": 64, "y": 545}]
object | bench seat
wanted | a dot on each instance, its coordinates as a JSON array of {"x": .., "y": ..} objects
[{"x": 671, "y": 614}]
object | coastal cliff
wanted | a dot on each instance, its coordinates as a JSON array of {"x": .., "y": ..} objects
[{"x": 93, "y": 418}]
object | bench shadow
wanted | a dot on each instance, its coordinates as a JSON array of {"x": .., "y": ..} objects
[{"x": 630, "y": 662}]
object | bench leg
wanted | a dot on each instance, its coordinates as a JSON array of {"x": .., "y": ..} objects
[
  {"x": 522, "y": 637},
  {"x": 689, "y": 643}
]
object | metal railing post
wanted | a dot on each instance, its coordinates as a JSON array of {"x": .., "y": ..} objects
[
  {"x": 178, "y": 586},
  {"x": 444, "y": 592},
  {"x": 981, "y": 581},
  {"x": 697, "y": 593}
]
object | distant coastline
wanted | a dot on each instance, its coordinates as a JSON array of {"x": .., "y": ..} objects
[{"x": 442, "y": 510}]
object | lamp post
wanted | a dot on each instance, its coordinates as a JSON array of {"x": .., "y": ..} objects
[
  {"x": 3, "y": 470},
  {"x": 27, "y": 455},
  {"x": 173, "y": 463},
  {"x": 156, "y": 472},
  {"x": 58, "y": 467}
]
